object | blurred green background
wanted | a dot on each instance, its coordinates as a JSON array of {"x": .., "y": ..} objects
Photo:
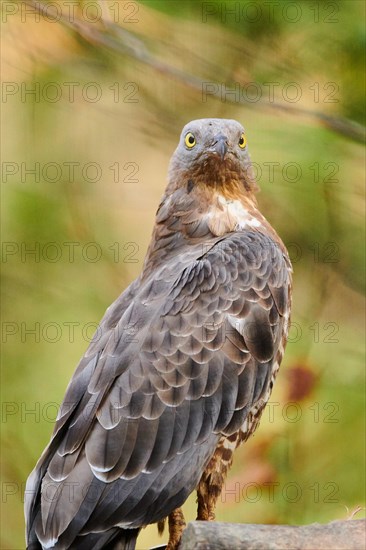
[{"x": 94, "y": 96}]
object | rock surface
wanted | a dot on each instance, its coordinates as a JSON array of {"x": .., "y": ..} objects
[{"x": 337, "y": 535}]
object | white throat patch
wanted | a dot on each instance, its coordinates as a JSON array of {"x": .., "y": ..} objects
[{"x": 237, "y": 211}]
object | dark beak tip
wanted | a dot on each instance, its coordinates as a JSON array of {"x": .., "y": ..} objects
[{"x": 221, "y": 148}]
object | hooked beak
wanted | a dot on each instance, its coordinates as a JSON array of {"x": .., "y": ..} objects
[{"x": 220, "y": 146}]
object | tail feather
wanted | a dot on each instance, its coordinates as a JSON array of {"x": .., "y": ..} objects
[
  {"x": 125, "y": 539},
  {"x": 114, "y": 539}
]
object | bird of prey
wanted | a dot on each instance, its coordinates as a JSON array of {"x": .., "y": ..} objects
[{"x": 181, "y": 367}]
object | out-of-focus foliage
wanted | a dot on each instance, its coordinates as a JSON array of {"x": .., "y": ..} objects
[{"x": 108, "y": 103}]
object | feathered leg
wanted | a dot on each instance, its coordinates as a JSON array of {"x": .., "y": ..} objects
[
  {"x": 213, "y": 478},
  {"x": 176, "y": 526}
]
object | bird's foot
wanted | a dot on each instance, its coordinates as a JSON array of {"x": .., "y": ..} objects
[{"x": 205, "y": 513}]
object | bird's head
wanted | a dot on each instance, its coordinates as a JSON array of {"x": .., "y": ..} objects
[{"x": 213, "y": 152}]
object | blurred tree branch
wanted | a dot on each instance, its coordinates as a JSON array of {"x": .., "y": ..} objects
[{"x": 116, "y": 38}]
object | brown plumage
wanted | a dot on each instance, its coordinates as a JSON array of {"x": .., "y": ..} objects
[{"x": 146, "y": 420}]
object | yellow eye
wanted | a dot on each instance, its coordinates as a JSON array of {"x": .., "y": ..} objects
[
  {"x": 190, "y": 140},
  {"x": 242, "y": 141}
]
